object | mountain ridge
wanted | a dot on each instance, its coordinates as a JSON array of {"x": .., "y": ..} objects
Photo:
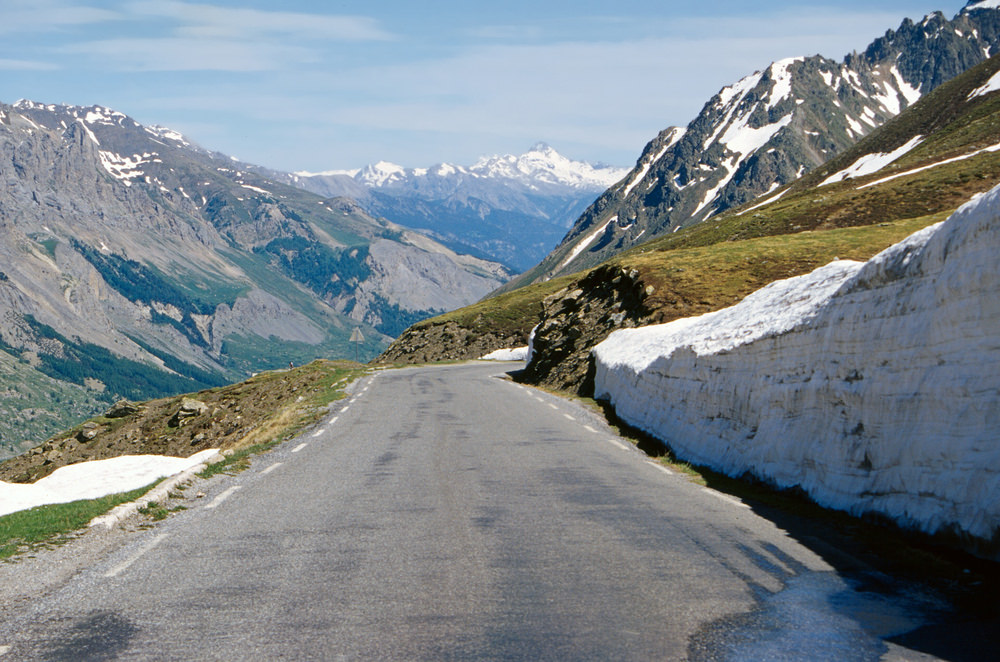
[{"x": 769, "y": 128}]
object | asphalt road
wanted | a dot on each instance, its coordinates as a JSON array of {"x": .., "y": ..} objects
[{"x": 447, "y": 514}]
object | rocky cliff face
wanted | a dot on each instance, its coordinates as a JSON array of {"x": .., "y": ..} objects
[
  {"x": 873, "y": 387},
  {"x": 769, "y": 128},
  {"x": 134, "y": 264}
]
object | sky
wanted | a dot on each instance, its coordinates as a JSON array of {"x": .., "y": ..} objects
[{"x": 316, "y": 85}]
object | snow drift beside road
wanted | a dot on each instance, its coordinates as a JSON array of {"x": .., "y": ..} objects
[
  {"x": 873, "y": 387},
  {"x": 92, "y": 480}
]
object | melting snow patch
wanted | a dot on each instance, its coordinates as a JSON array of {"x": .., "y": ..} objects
[
  {"x": 95, "y": 479},
  {"x": 870, "y": 163},
  {"x": 992, "y": 85},
  {"x": 512, "y": 354}
]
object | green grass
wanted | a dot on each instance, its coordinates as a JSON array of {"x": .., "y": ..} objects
[{"x": 51, "y": 524}]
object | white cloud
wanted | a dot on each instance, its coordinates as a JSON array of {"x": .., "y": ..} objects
[
  {"x": 28, "y": 16},
  {"x": 26, "y": 65},
  {"x": 215, "y": 22}
]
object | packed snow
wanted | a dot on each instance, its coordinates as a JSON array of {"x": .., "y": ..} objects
[
  {"x": 992, "y": 85},
  {"x": 985, "y": 150},
  {"x": 871, "y": 163},
  {"x": 874, "y": 387},
  {"x": 512, "y": 354},
  {"x": 95, "y": 479}
]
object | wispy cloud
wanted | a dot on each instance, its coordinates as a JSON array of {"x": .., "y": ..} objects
[
  {"x": 190, "y": 54},
  {"x": 216, "y": 22},
  {"x": 32, "y": 16},
  {"x": 26, "y": 65}
]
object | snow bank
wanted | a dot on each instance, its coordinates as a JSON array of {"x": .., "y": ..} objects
[
  {"x": 873, "y": 387},
  {"x": 92, "y": 480},
  {"x": 513, "y": 354}
]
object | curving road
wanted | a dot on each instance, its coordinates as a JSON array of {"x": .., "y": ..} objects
[{"x": 447, "y": 514}]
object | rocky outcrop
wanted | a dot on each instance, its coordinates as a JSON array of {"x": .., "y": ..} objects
[
  {"x": 448, "y": 341},
  {"x": 578, "y": 317},
  {"x": 872, "y": 387}
]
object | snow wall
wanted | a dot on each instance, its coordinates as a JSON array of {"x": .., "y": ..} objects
[{"x": 874, "y": 387}]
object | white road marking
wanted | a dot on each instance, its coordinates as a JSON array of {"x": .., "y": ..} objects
[
  {"x": 569, "y": 417},
  {"x": 299, "y": 447},
  {"x": 318, "y": 432},
  {"x": 271, "y": 468},
  {"x": 662, "y": 468},
  {"x": 222, "y": 497},
  {"x": 4, "y": 650},
  {"x": 345, "y": 409},
  {"x": 538, "y": 398},
  {"x": 124, "y": 565},
  {"x": 725, "y": 497},
  {"x": 589, "y": 429},
  {"x": 618, "y": 444},
  {"x": 333, "y": 420},
  {"x": 553, "y": 406}
]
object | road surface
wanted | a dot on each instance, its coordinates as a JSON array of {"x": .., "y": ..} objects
[{"x": 445, "y": 513}]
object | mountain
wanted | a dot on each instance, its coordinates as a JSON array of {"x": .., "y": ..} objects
[
  {"x": 911, "y": 172},
  {"x": 136, "y": 264},
  {"x": 768, "y": 129},
  {"x": 512, "y": 209}
]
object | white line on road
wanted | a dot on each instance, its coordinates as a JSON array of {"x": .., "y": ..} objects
[
  {"x": 662, "y": 468},
  {"x": 345, "y": 409},
  {"x": 4, "y": 650},
  {"x": 222, "y": 497},
  {"x": 333, "y": 420},
  {"x": 618, "y": 444},
  {"x": 553, "y": 406},
  {"x": 299, "y": 447},
  {"x": 318, "y": 432},
  {"x": 569, "y": 417},
  {"x": 725, "y": 497},
  {"x": 589, "y": 429},
  {"x": 124, "y": 565},
  {"x": 271, "y": 468}
]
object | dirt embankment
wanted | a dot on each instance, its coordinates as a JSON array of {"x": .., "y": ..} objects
[{"x": 229, "y": 417}]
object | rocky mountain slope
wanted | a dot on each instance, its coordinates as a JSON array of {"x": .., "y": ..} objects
[
  {"x": 512, "y": 209},
  {"x": 769, "y": 128},
  {"x": 136, "y": 264},
  {"x": 870, "y": 386},
  {"x": 856, "y": 205}
]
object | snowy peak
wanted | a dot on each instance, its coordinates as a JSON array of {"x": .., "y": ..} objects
[
  {"x": 771, "y": 127},
  {"x": 541, "y": 165}
]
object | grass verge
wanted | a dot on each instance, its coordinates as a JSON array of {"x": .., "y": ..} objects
[{"x": 46, "y": 526}]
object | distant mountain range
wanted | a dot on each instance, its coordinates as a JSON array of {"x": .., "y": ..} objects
[
  {"x": 769, "y": 128},
  {"x": 134, "y": 264},
  {"x": 513, "y": 209}
]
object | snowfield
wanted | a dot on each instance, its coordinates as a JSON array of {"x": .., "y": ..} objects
[
  {"x": 874, "y": 387},
  {"x": 95, "y": 479}
]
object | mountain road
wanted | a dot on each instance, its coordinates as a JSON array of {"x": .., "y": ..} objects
[{"x": 448, "y": 513}]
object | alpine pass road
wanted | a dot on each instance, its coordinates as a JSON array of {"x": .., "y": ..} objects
[{"x": 446, "y": 513}]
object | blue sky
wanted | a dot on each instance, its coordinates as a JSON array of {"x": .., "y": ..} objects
[{"x": 318, "y": 85}]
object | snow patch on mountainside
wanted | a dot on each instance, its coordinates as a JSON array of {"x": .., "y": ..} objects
[
  {"x": 873, "y": 387},
  {"x": 870, "y": 163}
]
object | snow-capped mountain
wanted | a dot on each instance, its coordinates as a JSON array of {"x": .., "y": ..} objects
[
  {"x": 769, "y": 128},
  {"x": 510, "y": 208}
]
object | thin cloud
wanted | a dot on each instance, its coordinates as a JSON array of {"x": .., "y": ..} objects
[
  {"x": 212, "y": 21},
  {"x": 188, "y": 54},
  {"x": 26, "y": 65},
  {"x": 34, "y": 16}
]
